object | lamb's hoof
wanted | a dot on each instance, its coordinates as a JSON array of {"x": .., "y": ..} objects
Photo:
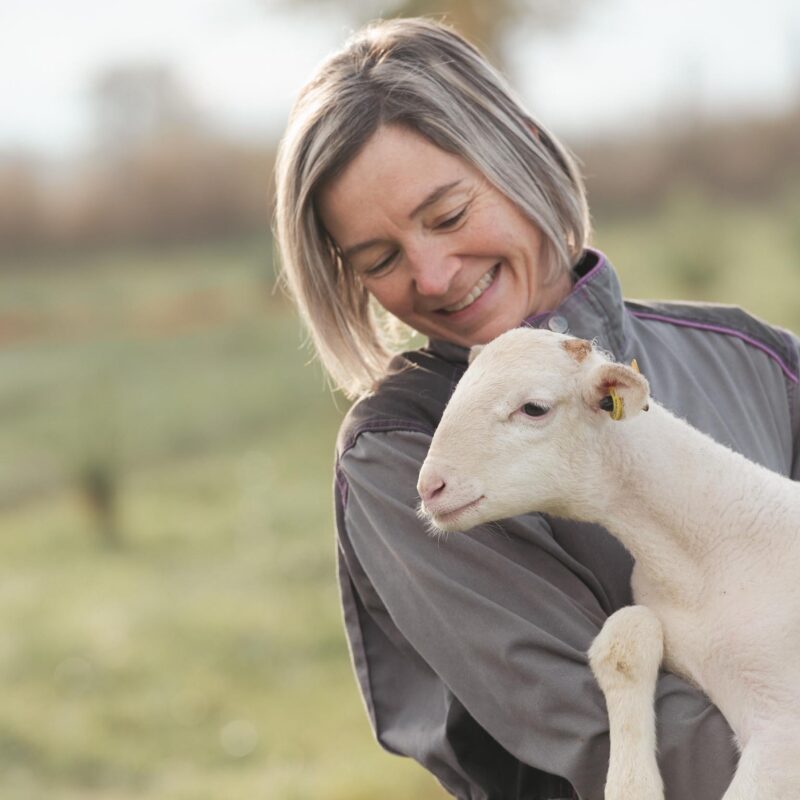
[{"x": 628, "y": 649}]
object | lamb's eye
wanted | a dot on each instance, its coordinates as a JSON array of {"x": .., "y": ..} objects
[{"x": 534, "y": 410}]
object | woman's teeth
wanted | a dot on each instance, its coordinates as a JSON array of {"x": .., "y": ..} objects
[{"x": 477, "y": 290}]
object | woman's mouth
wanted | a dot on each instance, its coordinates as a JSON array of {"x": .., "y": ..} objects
[{"x": 477, "y": 290}]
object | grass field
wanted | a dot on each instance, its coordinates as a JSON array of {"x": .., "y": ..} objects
[
  {"x": 197, "y": 652},
  {"x": 167, "y": 594}
]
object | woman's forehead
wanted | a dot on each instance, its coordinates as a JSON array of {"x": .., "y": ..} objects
[{"x": 397, "y": 173}]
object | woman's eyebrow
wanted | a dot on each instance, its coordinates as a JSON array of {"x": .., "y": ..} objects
[
  {"x": 357, "y": 248},
  {"x": 437, "y": 194}
]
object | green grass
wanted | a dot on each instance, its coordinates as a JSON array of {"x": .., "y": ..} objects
[
  {"x": 199, "y": 653},
  {"x": 202, "y": 659},
  {"x": 694, "y": 248}
]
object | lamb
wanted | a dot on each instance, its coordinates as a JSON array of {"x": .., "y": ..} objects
[{"x": 545, "y": 422}]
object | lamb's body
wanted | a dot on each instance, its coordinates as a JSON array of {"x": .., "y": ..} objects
[{"x": 715, "y": 540}]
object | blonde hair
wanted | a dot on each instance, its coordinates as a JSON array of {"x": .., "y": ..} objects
[{"x": 423, "y": 75}]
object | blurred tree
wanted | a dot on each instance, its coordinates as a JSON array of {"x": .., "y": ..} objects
[
  {"x": 135, "y": 104},
  {"x": 94, "y": 454},
  {"x": 99, "y": 486},
  {"x": 487, "y": 23},
  {"x": 182, "y": 178},
  {"x": 23, "y": 208}
]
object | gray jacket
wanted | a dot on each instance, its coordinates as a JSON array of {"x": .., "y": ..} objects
[{"x": 470, "y": 652}]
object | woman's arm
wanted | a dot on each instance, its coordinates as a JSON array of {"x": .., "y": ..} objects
[
  {"x": 503, "y": 617},
  {"x": 793, "y": 388}
]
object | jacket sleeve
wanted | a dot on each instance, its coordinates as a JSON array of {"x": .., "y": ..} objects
[
  {"x": 793, "y": 388},
  {"x": 504, "y": 618}
]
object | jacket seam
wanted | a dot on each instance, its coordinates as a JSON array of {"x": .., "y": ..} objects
[
  {"x": 389, "y": 425},
  {"x": 361, "y": 656},
  {"x": 725, "y": 331},
  {"x": 371, "y": 426},
  {"x": 793, "y": 389}
]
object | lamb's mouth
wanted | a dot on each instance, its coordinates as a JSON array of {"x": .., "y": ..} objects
[
  {"x": 477, "y": 290},
  {"x": 446, "y": 519}
]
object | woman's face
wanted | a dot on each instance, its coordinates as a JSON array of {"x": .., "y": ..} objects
[{"x": 434, "y": 242}]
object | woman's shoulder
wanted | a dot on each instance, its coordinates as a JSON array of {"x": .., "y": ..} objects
[
  {"x": 752, "y": 332},
  {"x": 411, "y": 397}
]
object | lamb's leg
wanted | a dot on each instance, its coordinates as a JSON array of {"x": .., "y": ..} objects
[
  {"x": 625, "y": 658},
  {"x": 769, "y": 766},
  {"x": 747, "y": 781}
]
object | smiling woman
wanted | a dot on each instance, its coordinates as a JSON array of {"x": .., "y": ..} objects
[
  {"x": 413, "y": 186},
  {"x": 407, "y": 100}
]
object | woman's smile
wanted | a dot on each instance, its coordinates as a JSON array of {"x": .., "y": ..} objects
[{"x": 477, "y": 291}]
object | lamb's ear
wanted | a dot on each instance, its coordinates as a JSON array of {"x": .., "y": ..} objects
[
  {"x": 621, "y": 391},
  {"x": 474, "y": 351}
]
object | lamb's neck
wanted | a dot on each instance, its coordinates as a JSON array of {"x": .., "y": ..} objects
[{"x": 672, "y": 490}]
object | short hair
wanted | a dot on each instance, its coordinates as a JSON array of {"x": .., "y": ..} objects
[{"x": 423, "y": 75}]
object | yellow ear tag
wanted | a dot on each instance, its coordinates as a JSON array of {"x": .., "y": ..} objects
[
  {"x": 618, "y": 410},
  {"x": 635, "y": 366}
]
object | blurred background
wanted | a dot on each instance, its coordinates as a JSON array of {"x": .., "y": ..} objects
[{"x": 168, "y": 603}]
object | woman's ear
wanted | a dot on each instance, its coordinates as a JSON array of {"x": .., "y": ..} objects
[{"x": 614, "y": 388}]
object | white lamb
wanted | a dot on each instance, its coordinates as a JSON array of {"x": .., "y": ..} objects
[{"x": 543, "y": 422}]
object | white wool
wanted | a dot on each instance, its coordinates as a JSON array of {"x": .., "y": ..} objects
[{"x": 714, "y": 537}]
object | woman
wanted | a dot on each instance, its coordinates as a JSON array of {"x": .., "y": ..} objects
[{"x": 414, "y": 188}]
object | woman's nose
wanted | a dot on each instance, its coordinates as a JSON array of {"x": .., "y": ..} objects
[{"x": 433, "y": 272}]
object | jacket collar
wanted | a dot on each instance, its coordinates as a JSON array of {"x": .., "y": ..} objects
[{"x": 593, "y": 310}]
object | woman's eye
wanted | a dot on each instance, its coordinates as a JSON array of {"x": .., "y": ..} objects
[
  {"x": 534, "y": 410},
  {"x": 451, "y": 222},
  {"x": 381, "y": 265}
]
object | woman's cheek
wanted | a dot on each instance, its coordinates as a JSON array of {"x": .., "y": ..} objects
[{"x": 392, "y": 294}]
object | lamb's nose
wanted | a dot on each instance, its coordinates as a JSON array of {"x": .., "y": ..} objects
[{"x": 430, "y": 486}]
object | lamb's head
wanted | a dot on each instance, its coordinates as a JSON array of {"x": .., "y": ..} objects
[{"x": 526, "y": 428}]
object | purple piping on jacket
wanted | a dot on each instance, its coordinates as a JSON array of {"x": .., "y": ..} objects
[
  {"x": 601, "y": 262},
  {"x": 704, "y": 326}
]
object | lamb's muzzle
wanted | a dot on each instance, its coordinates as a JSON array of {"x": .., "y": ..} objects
[
  {"x": 430, "y": 486},
  {"x": 446, "y": 502}
]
